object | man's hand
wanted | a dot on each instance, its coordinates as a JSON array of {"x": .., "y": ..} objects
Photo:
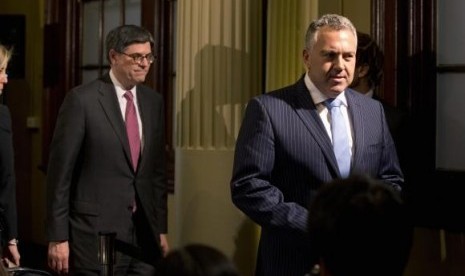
[
  {"x": 164, "y": 244},
  {"x": 11, "y": 254},
  {"x": 58, "y": 256}
]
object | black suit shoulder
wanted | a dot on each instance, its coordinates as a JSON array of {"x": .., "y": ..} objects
[
  {"x": 394, "y": 116},
  {"x": 364, "y": 100},
  {"x": 5, "y": 118},
  {"x": 149, "y": 92},
  {"x": 286, "y": 94},
  {"x": 7, "y": 176}
]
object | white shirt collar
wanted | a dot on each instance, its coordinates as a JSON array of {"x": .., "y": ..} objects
[
  {"x": 119, "y": 88},
  {"x": 317, "y": 96}
]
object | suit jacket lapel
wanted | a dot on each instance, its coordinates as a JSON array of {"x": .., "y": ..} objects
[
  {"x": 144, "y": 113},
  {"x": 306, "y": 110},
  {"x": 357, "y": 126},
  {"x": 110, "y": 105}
]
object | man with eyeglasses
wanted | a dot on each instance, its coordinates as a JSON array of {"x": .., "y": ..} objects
[{"x": 106, "y": 166}]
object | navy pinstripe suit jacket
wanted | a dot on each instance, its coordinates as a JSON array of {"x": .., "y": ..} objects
[{"x": 284, "y": 154}]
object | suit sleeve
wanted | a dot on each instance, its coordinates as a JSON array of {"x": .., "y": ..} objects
[
  {"x": 160, "y": 193},
  {"x": 64, "y": 151},
  {"x": 7, "y": 178},
  {"x": 390, "y": 170},
  {"x": 252, "y": 189}
]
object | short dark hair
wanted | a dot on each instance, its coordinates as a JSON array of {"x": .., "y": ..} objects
[
  {"x": 121, "y": 37},
  {"x": 360, "y": 226},
  {"x": 369, "y": 53},
  {"x": 197, "y": 260}
]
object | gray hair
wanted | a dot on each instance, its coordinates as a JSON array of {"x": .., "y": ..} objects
[
  {"x": 121, "y": 37},
  {"x": 333, "y": 21}
]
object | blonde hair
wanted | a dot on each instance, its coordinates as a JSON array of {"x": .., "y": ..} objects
[{"x": 5, "y": 55}]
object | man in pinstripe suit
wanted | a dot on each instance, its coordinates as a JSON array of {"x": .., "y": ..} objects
[{"x": 284, "y": 149}]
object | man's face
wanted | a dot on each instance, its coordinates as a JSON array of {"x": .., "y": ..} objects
[
  {"x": 331, "y": 62},
  {"x": 128, "y": 71}
]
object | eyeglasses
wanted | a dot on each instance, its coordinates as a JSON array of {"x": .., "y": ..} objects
[{"x": 137, "y": 58}]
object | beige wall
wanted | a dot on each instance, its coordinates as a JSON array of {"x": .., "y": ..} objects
[
  {"x": 218, "y": 71},
  {"x": 358, "y": 11},
  {"x": 287, "y": 24}
]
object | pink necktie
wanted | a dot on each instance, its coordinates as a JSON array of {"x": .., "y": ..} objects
[{"x": 132, "y": 129}]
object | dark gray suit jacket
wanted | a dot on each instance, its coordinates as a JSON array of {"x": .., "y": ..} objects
[
  {"x": 284, "y": 154},
  {"x": 90, "y": 181},
  {"x": 8, "y": 216}
]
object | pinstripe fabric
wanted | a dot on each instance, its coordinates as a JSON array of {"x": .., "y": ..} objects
[{"x": 284, "y": 154}]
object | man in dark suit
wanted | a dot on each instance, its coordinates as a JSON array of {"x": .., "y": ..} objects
[
  {"x": 367, "y": 78},
  {"x": 284, "y": 151},
  {"x": 106, "y": 167},
  {"x": 8, "y": 216}
]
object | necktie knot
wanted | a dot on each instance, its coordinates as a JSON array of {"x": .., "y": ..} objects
[
  {"x": 128, "y": 95},
  {"x": 330, "y": 103}
]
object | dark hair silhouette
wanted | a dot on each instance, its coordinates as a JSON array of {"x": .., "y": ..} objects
[
  {"x": 369, "y": 54},
  {"x": 359, "y": 226},
  {"x": 197, "y": 260}
]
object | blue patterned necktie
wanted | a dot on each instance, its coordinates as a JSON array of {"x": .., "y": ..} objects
[{"x": 340, "y": 136}]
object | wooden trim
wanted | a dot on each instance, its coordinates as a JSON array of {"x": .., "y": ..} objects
[
  {"x": 169, "y": 74},
  {"x": 122, "y": 12},
  {"x": 406, "y": 31},
  {"x": 264, "y": 44},
  {"x": 157, "y": 17},
  {"x": 94, "y": 67},
  {"x": 61, "y": 60},
  {"x": 101, "y": 30},
  {"x": 450, "y": 68},
  {"x": 377, "y": 22}
]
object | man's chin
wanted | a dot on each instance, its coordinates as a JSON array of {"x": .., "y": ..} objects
[
  {"x": 139, "y": 79},
  {"x": 338, "y": 88}
]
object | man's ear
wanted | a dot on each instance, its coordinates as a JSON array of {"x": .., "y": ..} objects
[
  {"x": 112, "y": 56},
  {"x": 306, "y": 58},
  {"x": 362, "y": 71}
]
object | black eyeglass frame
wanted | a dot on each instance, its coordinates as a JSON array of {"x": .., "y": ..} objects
[{"x": 137, "y": 58}]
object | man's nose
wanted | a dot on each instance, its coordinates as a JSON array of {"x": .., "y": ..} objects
[{"x": 339, "y": 63}]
